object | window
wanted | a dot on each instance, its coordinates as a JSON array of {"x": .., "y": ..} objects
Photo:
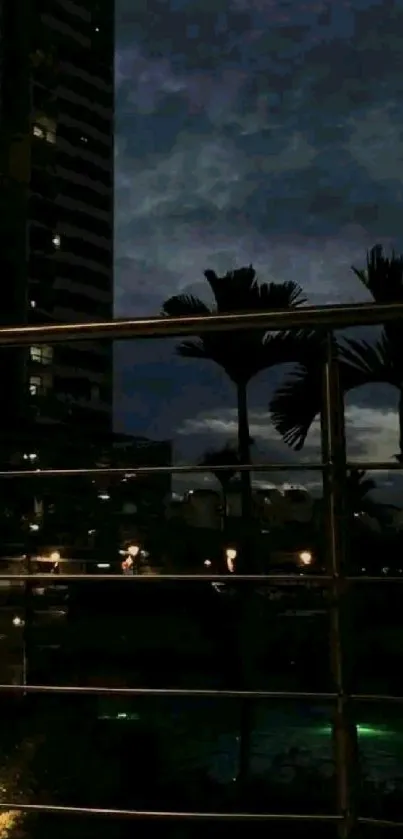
[
  {"x": 42, "y": 211},
  {"x": 43, "y": 182},
  {"x": 81, "y": 248},
  {"x": 38, "y": 132},
  {"x": 101, "y": 200},
  {"x": 80, "y": 303},
  {"x": 41, "y": 354},
  {"x": 45, "y": 129},
  {"x": 82, "y": 111},
  {"x": 35, "y": 385},
  {"x": 42, "y": 240},
  {"x": 38, "y": 385},
  {"x": 85, "y": 220},
  {"x": 98, "y": 169}
]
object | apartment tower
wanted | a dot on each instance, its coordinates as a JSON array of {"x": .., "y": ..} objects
[{"x": 56, "y": 205}]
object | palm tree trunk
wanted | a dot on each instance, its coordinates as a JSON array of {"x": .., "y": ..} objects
[
  {"x": 244, "y": 454},
  {"x": 224, "y": 507},
  {"x": 400, "y": 411},
  {"x": 244, "y": 636}
]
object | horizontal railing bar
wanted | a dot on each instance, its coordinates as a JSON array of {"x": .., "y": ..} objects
[
  {"x": 298, "y": 579},
  {"x": 195, "y": 693},
  {"x": 268, "y": 579},
  {"x": 375, "y": 697},
  {"x": 196, "y": 469},
  {"x": 272, "y": 579},
  {"x": 161, "y": 470},
  {"x": 168, "y": 815},
  {"x": 375, "y": 465},
  {"x": 329, "y": 317},
  {"x": 374, "y": 579},
  {"x": 378, "y": 822},
  {"x": 183, "y": 815}
]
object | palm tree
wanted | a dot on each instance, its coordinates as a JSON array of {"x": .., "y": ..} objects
[
  {"x": 227, "y": 456},
  {"x": 297, "y": 401},
  {"x": 358, "y": 487},
  {"x": 244, "y": 354}
]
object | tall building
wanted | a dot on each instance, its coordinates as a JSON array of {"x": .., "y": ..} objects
[{"x": 56, "y": 203}]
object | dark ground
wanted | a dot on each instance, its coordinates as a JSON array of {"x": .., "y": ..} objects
[{"x": 176, "y": 754}]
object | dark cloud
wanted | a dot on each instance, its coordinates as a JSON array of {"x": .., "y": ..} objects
[{"x": 251, "y": 131}]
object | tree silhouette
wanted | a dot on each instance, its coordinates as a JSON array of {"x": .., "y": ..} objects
[
  {"x": 297, "y": 401},
  {"x": 244, "y": 354},
  {"x": 226, "y": 456},
  {"x": 358, "y": 487}
]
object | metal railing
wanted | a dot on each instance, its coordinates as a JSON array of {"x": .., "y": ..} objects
[{"x": 334, "y": 467}]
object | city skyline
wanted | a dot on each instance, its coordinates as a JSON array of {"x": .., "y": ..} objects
[{"x": 261, "y": 132}]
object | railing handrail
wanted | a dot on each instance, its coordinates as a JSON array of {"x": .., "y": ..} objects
[
  {"x": 304, "y": 580},
  {"x": 189, "y": 468},
  {"x": 191, "y": 816},
  {"x": 197, "y": 693},
  {"x": 337, "y": 316}
]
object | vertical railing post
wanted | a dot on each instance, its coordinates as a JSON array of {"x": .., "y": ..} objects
[
  {"x": 31, "y": 550},
  {"x": 334, "y": 455},
  {"x": 27, "y": 627}
]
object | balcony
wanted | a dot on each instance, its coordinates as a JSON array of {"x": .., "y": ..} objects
[{"x": 242, "y": 581}]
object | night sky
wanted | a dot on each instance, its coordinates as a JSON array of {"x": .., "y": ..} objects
[{"x": 251, "y": 131}]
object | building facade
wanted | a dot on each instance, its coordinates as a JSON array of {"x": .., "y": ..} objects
[{"x": 56, "y": 202}]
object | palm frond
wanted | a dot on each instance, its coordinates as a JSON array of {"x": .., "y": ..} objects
[
  {"x": 245, "y": 352},
  {"x": 182, "y": 305},
  {"x": 284, "y": 295},
  {"x": 232, "y": 292},
  {"x": 240, "y": 291},
  {"x": 363, "y": 362},
  {"x": 382, "y": 276},
  {"x": 279, "y": 348},
  {"x": 298, "y": 400},
  {"x": 295, "y": 405}
]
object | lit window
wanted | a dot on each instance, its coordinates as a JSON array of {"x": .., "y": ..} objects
[
  {"x": 45, "y": 129},
  {"x": 41, "y": 354},
  {"x": 38, "y": 385},
  {"x": 97, "y": 29},
  {"x": 32, "y": 303},
  {"x": 35, "y": 385},
  {"x": 31, "y": 457},
  {"x": 84, "y": 139},
  {"x": 56, "y": 240}
]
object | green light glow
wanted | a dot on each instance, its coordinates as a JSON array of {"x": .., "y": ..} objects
[
  {"x": 363, "y": 730},
  {"x": 121, "y": 717}
]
